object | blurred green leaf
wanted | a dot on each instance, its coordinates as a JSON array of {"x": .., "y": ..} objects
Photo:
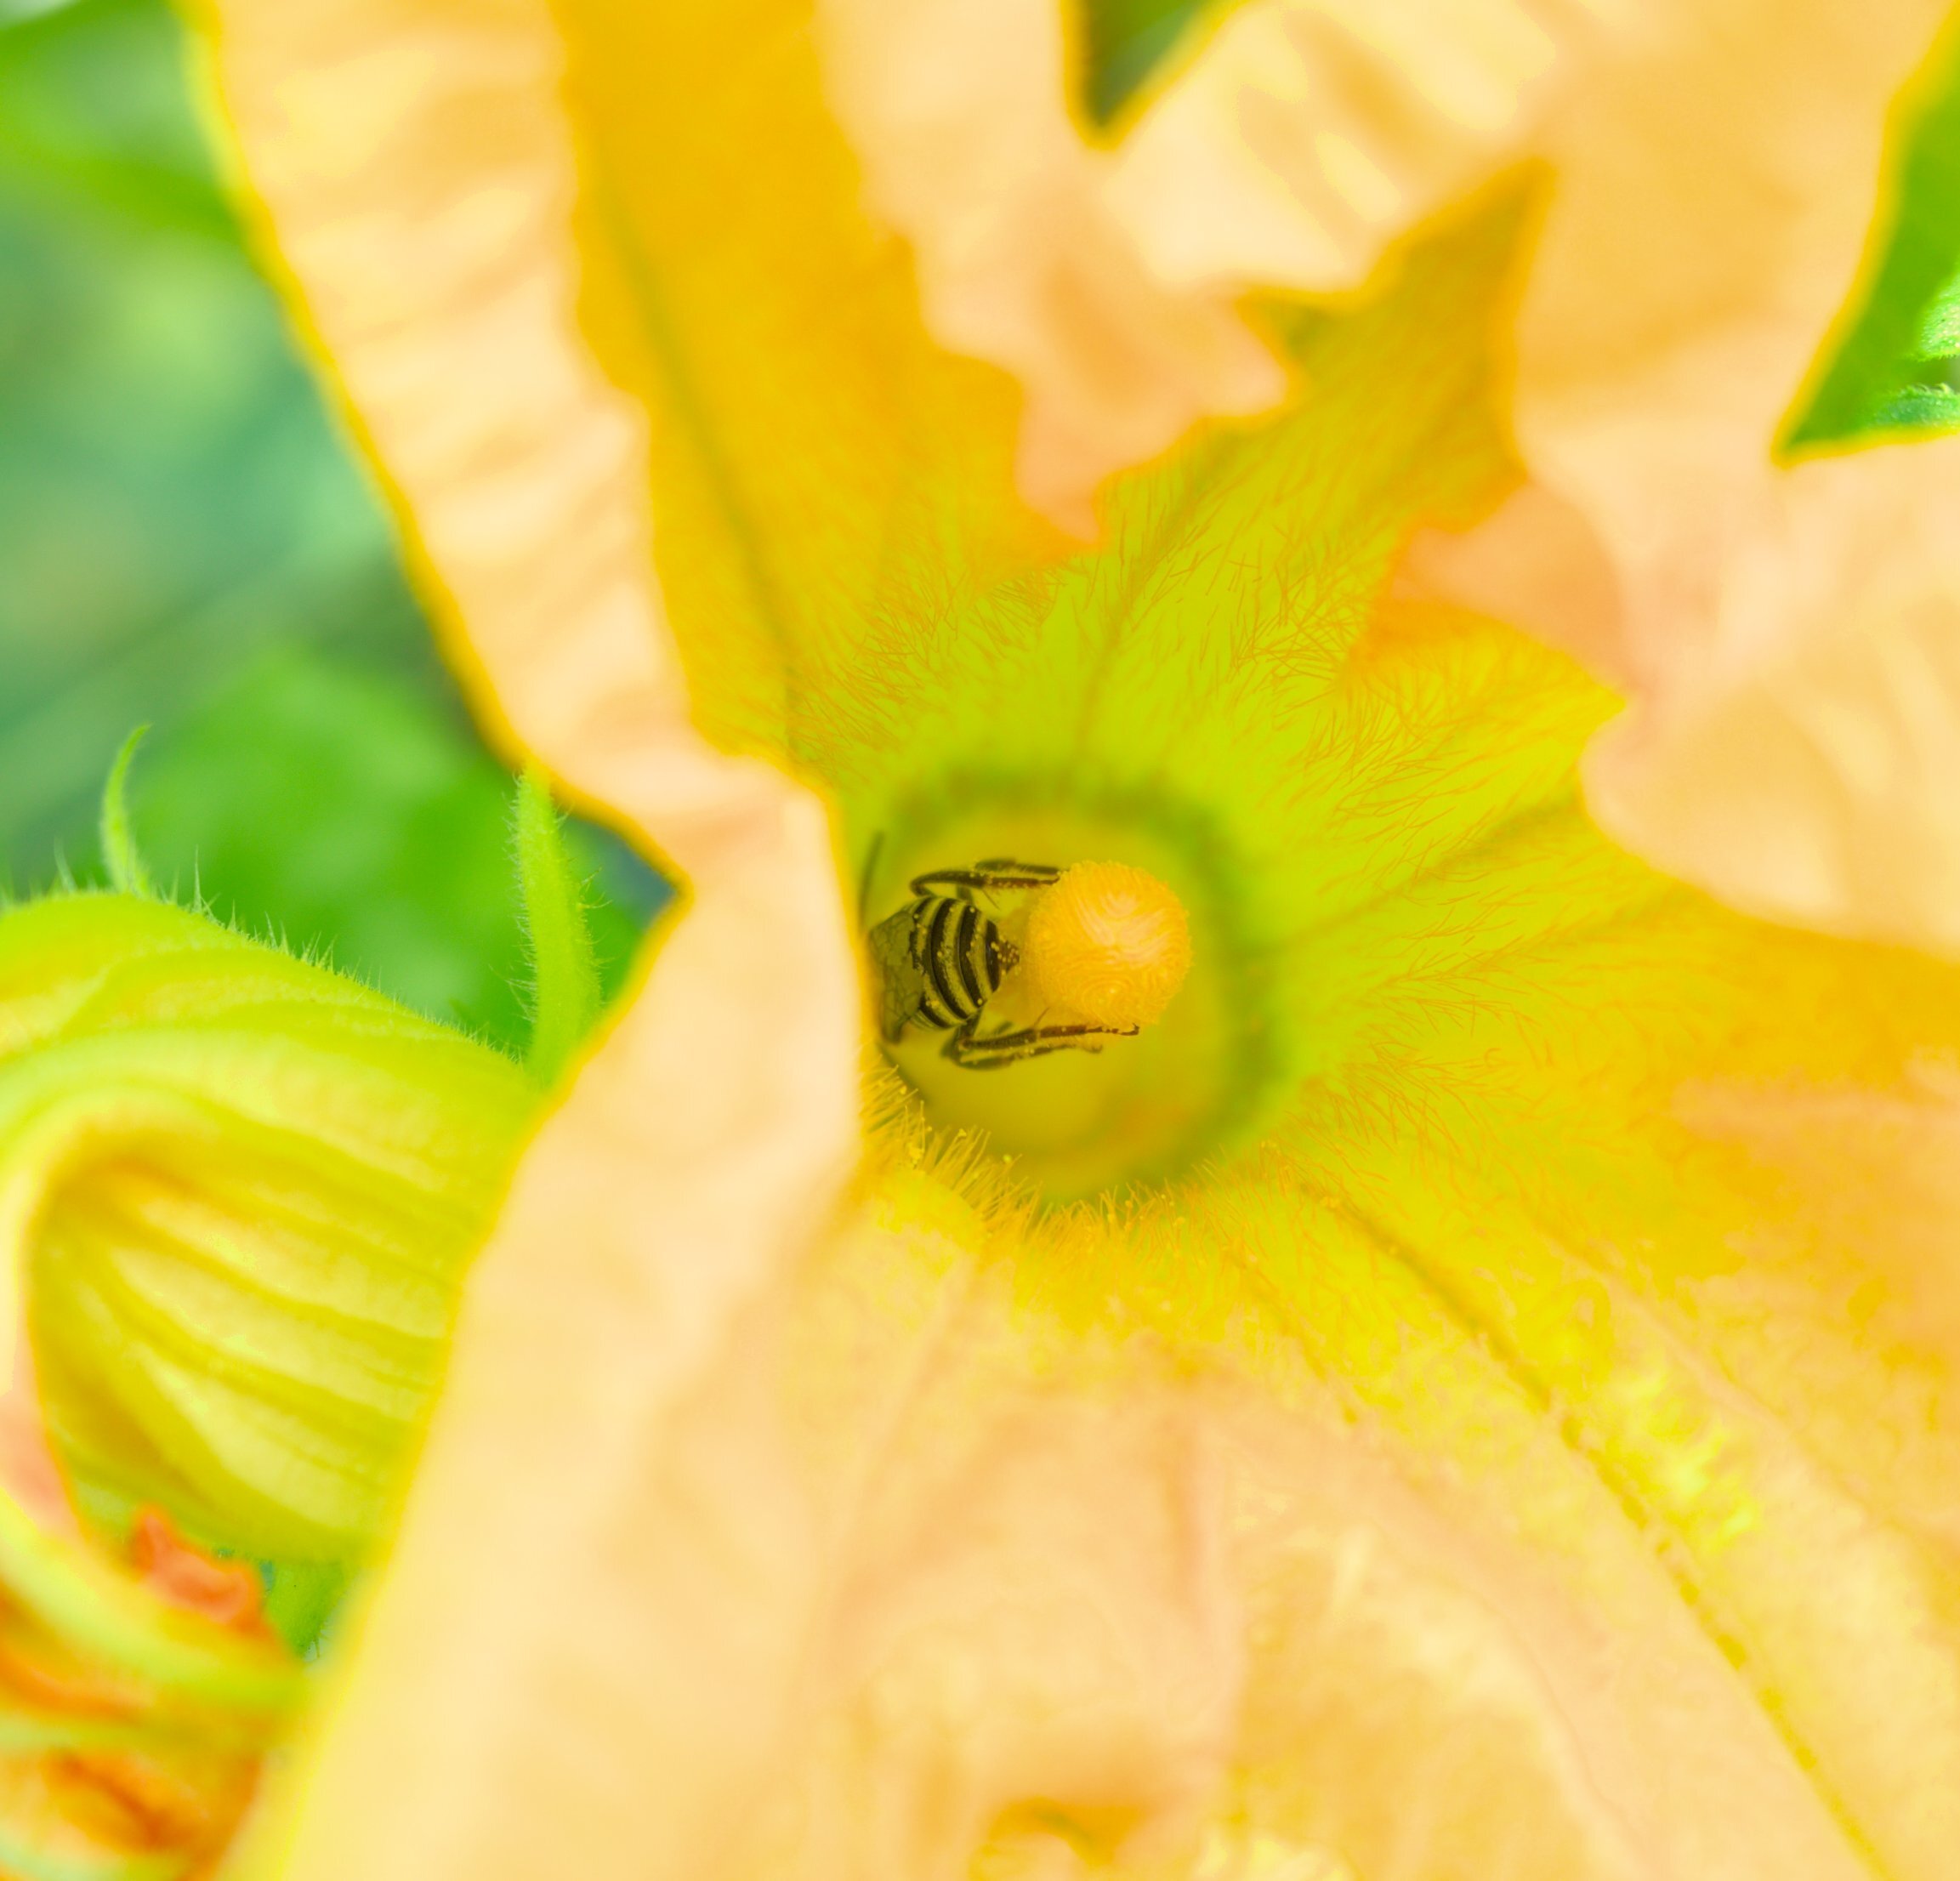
[
  {"x": 1123, "y": 41},
  {"x": 341, "y": 806}
]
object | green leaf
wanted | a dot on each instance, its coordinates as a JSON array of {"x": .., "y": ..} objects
[
  {"x": 1920, "y": 408},
  {"x": 1940, "y": 332},
  {"x": 350, "y": 808},
  {"x": 565, "y": 977},
  {"x": 1903, "y": 303}
]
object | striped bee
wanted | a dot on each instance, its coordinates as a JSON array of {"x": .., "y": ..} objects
[{"x": 941, "y": 958}]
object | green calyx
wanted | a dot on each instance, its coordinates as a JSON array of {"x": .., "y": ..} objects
[
  {"x": 238, "y": 1192},
  {"x": 565, "y": 976},
  {"x": 128, "y": 874}
]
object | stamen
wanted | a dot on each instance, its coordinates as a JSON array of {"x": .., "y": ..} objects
[{"x": 1108, "y": 945}]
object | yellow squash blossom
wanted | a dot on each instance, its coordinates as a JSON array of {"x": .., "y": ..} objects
[{"x": 1477, "y": 1399}]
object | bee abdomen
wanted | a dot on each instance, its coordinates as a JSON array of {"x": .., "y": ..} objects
[{"x": 959, "y": 954}]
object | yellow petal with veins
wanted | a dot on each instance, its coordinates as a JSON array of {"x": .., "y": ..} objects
[{"x": 1718, "y": 169}]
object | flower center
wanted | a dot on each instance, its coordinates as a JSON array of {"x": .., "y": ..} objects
[
  {"x": 1108, "y": 945},
  {"x": 1128, "y": 947}
]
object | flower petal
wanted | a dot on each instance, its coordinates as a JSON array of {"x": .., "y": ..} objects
[
  {"x": 959, "y": 110},
  {"x": 1301, "y": 139},
  {"x": 1782, "y": 624},
  {"x": 1307, "y": 135},
  {"x": 1800, "y": 756}
]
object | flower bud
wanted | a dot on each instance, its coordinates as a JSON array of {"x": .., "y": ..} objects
[{"x": 238, "y": 1191}]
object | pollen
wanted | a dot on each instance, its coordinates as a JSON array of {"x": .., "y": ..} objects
[{"x": 1108, "y": 945}]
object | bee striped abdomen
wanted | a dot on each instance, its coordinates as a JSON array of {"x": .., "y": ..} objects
[
  {"x": 958, "y": 953},
  {"x": 1099, "y": 951}
]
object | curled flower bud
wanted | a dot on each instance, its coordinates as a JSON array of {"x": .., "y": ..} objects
[{"x": 237, "y": 1190}]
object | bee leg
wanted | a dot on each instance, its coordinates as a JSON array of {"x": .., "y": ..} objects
[
  {"x": 989, "y": 1054},
  {"x": 864, "y": 880},
  {"x": 994, "y": 865},
  {"x": 1001, "y": 872}
]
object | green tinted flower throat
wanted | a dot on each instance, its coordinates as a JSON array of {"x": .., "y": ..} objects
[
  {"x": 1218, "y": 695},
  {"x": 853, "y": 598}
]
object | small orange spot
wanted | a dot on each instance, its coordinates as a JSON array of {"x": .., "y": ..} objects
[
  {"x": 1108, "y": 945},
  {"x": 227, "y": 1592}
]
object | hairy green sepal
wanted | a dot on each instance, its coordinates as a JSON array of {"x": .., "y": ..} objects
[
  {"x": 565, "y": 976},
  {"x": 119, "y": 855},
  {"x": 238, "y": 1192}
]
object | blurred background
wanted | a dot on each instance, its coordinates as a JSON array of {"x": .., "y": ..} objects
[{"x": 187, "y": 541}]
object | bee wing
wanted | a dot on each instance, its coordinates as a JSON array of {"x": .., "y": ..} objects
[{"x": 902, "y": 985}]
